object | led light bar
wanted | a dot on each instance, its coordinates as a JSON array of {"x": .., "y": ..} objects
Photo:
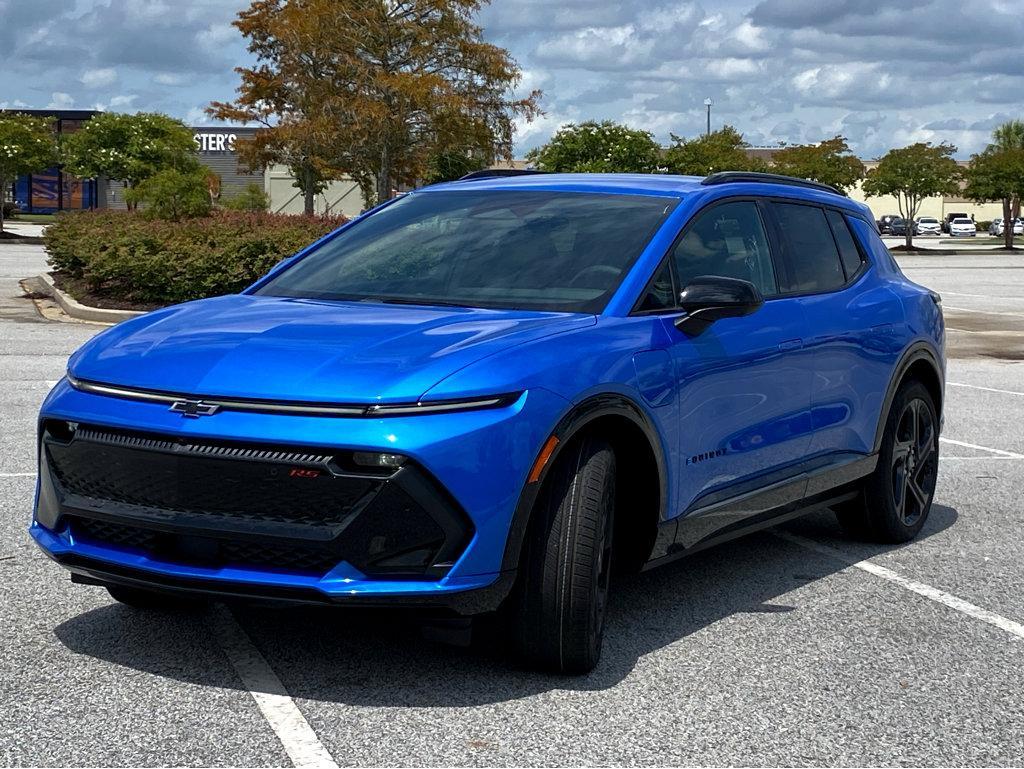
[{"x": 216, "y": 403}]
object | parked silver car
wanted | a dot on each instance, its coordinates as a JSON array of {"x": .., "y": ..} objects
[{"x": 997, "y": 229}]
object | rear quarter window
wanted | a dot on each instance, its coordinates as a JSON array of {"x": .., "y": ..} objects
[{"x": 812, "y": 258}]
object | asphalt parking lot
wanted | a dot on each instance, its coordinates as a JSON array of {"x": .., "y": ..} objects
[{"x": 791, "y": 647}]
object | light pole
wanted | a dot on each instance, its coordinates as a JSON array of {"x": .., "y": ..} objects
[{"x": 708, "y": 103}]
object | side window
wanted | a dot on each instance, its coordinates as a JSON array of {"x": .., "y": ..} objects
[
  {"x": 812, "y": 258},
  {"x": 661, "y": 294},
  {"x": 727, "y": 240},
  {"x": 848, "y": 251}
]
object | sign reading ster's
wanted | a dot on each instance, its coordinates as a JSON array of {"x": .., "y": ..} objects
[{"x": 215, "y": 142}]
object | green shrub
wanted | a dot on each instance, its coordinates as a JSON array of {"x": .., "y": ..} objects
[
  {"x": 10, "y": 209},
  {"x": 125, "y": 256},
  {"x": 253, "y": 198},
  {"x": 173, "y": 195}
]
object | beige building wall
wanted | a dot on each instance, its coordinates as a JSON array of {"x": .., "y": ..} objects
[
  {"x": 341, "y": 197},
  {"x": 937, "y": 206}
]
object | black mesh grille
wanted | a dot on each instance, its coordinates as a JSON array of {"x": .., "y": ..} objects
[
  {"x": 206, "y": 551},
  {"x": 207, "y": 479},
  {"x": 220, "y": 504}
]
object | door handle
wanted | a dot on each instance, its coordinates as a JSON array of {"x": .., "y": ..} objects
[{"x": 791, "y": 344}]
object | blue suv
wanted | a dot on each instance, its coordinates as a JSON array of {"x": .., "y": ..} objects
[{"x": 487, "y": 396}]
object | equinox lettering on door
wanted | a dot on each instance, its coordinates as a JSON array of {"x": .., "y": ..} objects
[{"x": 705, "y": 455}]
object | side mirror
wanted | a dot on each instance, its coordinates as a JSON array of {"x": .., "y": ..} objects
[{"x": 711, "y": 297}]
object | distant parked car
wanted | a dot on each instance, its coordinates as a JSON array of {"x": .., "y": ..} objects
[
  {"x": 885, "y": 223},
  {"x": 898, "y": 227},
  {"x": 996, "y": 228},
  {"x": 962, "y": 227},
  {"x": 950, "y": 217},
  {"x": 927, "y": 225}
]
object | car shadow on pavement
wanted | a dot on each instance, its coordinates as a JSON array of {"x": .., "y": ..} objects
[{"x": 380, "y": 658}]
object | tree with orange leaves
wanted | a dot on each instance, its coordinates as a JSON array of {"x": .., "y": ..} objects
[{"x": 372, "y": 88}]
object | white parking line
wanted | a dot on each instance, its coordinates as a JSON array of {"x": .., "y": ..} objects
[
  {"x": 17, "y": 475},
  {"x": 985, "y": 296},
  {"x": 1015, "y": 629},
  {"x": 296, "y": 735},
  {"x": 1000, "y": 452},
  {"x": 983, "y": 312},
  {"x": 987, "y": 389}
]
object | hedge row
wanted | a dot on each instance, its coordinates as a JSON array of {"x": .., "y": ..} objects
[{"x": 128, "y": 257}]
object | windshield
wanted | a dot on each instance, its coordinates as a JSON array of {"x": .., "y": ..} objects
[
  {"x": 540, "y": 250},
  {"x": 928, "y": 221},
  {"x": 962, "y": 221}
]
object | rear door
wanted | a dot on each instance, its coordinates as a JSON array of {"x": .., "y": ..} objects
[
  {"x": 744, "y": 383},
  {"x": 852, "y": 324}
]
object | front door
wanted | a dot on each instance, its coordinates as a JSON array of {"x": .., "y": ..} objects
[{"x": 744, "y": 383}]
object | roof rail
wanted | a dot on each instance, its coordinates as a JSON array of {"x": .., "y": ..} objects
[
  {"x": 726, "y": 177},
  {"x": 492, "y": 173}
]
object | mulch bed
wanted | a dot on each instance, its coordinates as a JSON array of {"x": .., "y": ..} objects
[{"x": 80, "y": 291}]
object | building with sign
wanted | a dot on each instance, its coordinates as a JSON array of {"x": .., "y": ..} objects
[{"x": 53, "y": 190}]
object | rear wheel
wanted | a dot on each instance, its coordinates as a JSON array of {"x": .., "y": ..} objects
[
  {"x": 138, "y": 598},
  {"x": 558, "y": 610},
  {"x": 895, "y": 500}
]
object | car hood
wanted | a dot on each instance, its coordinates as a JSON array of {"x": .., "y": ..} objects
[{"x": 305, "y": 350}]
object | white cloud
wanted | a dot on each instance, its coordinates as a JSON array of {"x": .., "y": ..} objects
[
  {"x": 98, "y": 78},
  {"x": 61, "y": 100}
]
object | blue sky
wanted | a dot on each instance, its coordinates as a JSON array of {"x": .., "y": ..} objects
[{"x": 883, "y": 74}]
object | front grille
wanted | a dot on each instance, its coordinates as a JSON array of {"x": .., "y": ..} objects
[
  {"x": 207, "y": 479},
  {"x": 223, "y": 504},
  {"x": 204, "y": 551}
]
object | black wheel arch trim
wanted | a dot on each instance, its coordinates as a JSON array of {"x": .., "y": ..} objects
[
  {"x": 914, "y": 353},
  {"x": 578, "y": 418}
]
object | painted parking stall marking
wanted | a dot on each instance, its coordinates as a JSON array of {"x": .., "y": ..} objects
[
  {"x": 1015, "y": 629},
  {"x": 296, "y": 735}
]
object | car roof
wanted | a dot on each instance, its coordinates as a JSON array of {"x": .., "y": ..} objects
[
  {"x": 637, "y": 184},
  {"x": 664, "y": 185}
]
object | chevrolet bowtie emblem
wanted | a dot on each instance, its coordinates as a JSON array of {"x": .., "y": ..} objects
[{"x": 194, "y": 408}]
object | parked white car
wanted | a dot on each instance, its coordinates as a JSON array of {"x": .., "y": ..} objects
[
  {"x": 996, "y": 228},
  {"x": 962, "y": 228},
  {"x": 927, "y": 225}
]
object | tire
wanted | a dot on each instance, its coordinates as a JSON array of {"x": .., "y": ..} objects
[
  {"x": 138, "y": 598},
  {"x": 895, "y": 500},
  {"x": 558, "y": 610}
]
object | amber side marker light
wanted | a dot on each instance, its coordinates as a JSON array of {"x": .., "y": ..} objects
[{"x": 542, "y": 459}]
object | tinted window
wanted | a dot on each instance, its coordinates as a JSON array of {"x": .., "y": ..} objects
[
  {"x": 811, "y": 256},
  {"x": 727, "y": 240},
  {"x": 848, "y": 252},
  {"x": 661, "y": 294},
  {"x": 542, "y": 250}
]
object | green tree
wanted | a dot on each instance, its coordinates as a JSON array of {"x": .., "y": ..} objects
[
  {"x": 998, "y": 175},
  {"x": 252, "y": 198},
  {"x": 914, "y": 173},
  {"x": 721, "y": 150},
  {"x": 1008, "y": 136},
  {"x": 594, "y": 147},
  {"x": 173, "y": 194},
  {"x": 372, "y": 88},
  {"x": 26, "y": 146},
  {"x": 448, "y": 165},
  {"x": 829, "y": 162},
  {"x": 129, "y": 148}
]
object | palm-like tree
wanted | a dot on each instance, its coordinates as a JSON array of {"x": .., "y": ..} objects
[{"x": 1010, "y": 136}]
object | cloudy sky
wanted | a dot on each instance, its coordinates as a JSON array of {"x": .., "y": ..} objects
[{"x": 883, "y": 74}]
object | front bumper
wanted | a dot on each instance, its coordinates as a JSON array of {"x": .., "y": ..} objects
[{"x": 471, "y": 465}]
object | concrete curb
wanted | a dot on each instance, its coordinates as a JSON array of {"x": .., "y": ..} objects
[
  {"x": 76, "y": 309},
  {"x": 28, "y": 240}
]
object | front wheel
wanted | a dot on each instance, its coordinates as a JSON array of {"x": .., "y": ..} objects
[
  {"x": 558, "y": 609},
  {"x": 895, "y": 500}
]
